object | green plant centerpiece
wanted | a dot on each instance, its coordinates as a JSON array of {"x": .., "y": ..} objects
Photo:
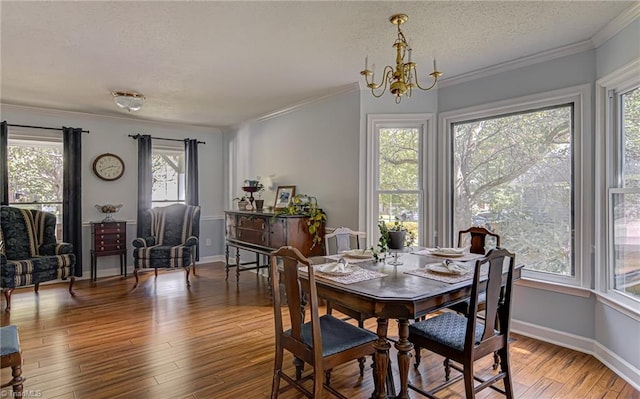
[
  {"x": 306, "y": 205},
  {"x": 392, "y": 236}
]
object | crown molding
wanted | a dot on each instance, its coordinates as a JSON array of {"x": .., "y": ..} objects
[
  {"x": 519, "y": 63},
  {"x": 352, "y": 87},
  {"x": 87, "y": 115},
  {"x": 616, "y": 25}
]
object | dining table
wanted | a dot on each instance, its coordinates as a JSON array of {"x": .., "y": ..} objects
[{"x": 403, "y": 291}]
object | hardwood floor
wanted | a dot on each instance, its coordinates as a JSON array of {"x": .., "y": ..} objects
[{"x": 215, "y": 340}]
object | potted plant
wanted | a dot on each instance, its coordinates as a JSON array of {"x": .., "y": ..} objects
[
  {"x": 303, "y": 204},
  {"x": 395, "y": 236},
  {"x": 243, "y": 201}
]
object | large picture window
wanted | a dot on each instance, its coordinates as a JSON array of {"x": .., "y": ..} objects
[
  {"x": 510, "y": 167},
  {"x": 513, "y": 175}
]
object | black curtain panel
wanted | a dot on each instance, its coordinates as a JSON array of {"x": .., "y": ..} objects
[
  {"x": 4, "y": 164},
  {"x": 71, "y": 193},
  {"x": 191, "y": 180},
  {"x": 145, "y": 184}
]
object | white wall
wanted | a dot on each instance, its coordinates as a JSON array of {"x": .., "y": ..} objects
[
  {"x": 110, "y": 134},
  {"x": 314, "y": 147}
]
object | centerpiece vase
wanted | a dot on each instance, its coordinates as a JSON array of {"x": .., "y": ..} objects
[{"x": 396, "y": 239}]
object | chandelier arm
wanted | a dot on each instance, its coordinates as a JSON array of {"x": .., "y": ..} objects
[
  {"x": 385, "y": 79},
  {"x": 435, "y": 75}
]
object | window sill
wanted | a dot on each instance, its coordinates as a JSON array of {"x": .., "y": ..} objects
[
  {"x": 612, "y": 302},
  {"x": 554, "y": 287}
]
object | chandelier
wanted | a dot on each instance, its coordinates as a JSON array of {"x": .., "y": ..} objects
[
  {"x": 127, "y": 100},
  {"x": 404, "y": 77}
]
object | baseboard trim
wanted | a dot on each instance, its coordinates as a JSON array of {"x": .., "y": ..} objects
[{"x": 618, "y": 365}]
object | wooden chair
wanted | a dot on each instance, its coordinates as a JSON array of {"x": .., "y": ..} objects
[
  {"x": 344, "y": 237},
  {"x": 11, "y": 356},
  {"x": 323, "y": 342},
  {"x": 477, "y": 239},
  {"x": 465, "y": 339}
]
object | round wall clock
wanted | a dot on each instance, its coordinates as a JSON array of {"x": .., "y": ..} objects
[{"x": 108, "y": 167}]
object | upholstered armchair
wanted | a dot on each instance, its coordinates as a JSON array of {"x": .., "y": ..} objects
[
  {"x": 171, "y": 242},
  {"x": 29, "y": 251}
]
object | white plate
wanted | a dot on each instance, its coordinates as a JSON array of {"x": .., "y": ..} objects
[
  {"x": 442, "y": 269},
  {"x": 359, "y": 253},
  {"x": 449, "y": 254},
  {"x": 332, "y": 269}
]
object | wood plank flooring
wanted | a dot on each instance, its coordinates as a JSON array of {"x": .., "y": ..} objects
[{"x": 215, "y": 340}]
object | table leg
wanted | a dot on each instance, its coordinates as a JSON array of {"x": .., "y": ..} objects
[
  {"x": 124, "y": 264},
  {"x": 93, "y": 267},
  {"x": 226, "y": 261},
  {"x": 237, "y": 265},
  {"x": 382, "y": 347},
  {"x": 404, "y": 348}
]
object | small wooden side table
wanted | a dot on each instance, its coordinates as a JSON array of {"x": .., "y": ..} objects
[{"x": 108, "y": 238}]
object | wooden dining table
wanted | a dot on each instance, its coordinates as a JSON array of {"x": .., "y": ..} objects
[{"x": 399, "y": 296}]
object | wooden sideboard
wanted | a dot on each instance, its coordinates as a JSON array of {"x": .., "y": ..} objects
[
  {"x": 108, "y": 238},
  {"x": 263, "y": 232}
]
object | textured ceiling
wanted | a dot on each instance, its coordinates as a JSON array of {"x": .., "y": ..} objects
[{"x": 219, "y": 63}]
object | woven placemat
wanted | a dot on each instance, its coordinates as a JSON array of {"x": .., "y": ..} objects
[
  {"x": 358, "y": 275},
  {"x": 446, "y": 278}
]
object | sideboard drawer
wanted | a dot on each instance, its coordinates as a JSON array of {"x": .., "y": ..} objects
[
  {"x": 252, "y": 236},
  {"x": 252, "y": 222}
]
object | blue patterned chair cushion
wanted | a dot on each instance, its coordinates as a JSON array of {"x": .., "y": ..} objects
[
  {"x": 447, "y": 329},
  {"x": 30, "y": 251},
  {"x": 337, "y": 335},
  {"x": 171, "y": 243},
  {"x": 9, "y": 340}
]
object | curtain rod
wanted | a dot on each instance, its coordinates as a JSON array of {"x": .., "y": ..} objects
[
  {"x": 135, "y": 137},
  {"x": 41, "y": 127}
]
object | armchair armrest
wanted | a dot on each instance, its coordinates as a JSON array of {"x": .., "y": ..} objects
[
  {"x": 191, "y": 241},
  {"x": 142, "y": 242},
  {"x": 59, "y": 248}
]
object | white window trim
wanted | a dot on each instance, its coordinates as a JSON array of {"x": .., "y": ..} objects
[
  {"x": 606, "y": 155},
  {"x": 426, "y": 164},
  {"x": 581, "y": 97}
]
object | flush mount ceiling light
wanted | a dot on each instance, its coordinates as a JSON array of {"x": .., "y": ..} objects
[
  {"x": 128, "y": 100},
  {"x": 404, "y": 77}
]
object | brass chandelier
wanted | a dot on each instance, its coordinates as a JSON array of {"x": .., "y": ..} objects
[{"x": 404, "y": 77}]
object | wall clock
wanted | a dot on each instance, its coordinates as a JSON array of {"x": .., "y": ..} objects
[{"x": 108, "y": 167}]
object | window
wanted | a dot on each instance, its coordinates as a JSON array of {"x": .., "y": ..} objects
[
  {"x": 513, "y": 172},
  {"x": 36, "y": 172},
  {"x": 168, "y": 176},
  {"x": 397, "y": 172},
  {"x": 623, "y": 118}
]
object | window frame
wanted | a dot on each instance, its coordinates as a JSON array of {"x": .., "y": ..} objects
[
  {"x": 580, "y": 97},
  {"x": 175, "y": 149},
  {"x": 424, "y": 122},
  {"x": 609, "y": 177},
  {"x": 27, "y": 136}
]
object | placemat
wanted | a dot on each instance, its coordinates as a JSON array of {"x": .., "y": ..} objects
[
  {"x": 447, "y": 278},
  {"x": 358, "y": 275},
  {"x": 348, "y": 258},
  {"x": 465, "y": 257}
]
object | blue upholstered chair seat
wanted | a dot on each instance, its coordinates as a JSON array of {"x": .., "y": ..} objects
[
  {"x": 337, "y": 335},
  {"x": 163, "y": 256},
  {"x": 9, "y": 340},
  {"x": 17, "y": 273},
  {"x": 447, "y": 329}
]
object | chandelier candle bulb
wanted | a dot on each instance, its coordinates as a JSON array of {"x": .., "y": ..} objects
[
  {"x": 434, "y": 65},
  {"x": 366, "y": 63}
]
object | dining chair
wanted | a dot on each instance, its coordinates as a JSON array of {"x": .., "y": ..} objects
[
  {"x": 322, "y": 342},
  {"x": 477, "y": 239},
  {"x": 465, "y": 339},
  {"x": 344, "y": 239}
]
